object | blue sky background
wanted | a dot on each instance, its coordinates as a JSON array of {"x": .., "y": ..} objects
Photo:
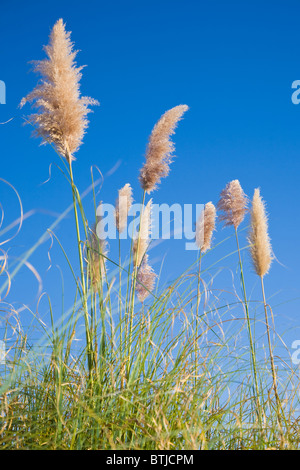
[{"x": 232, "y": 63}]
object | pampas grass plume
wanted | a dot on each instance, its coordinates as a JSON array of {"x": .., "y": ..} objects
[
  {"x": 233, "y": 203},
  {"x": 141, "y": 241},
  {"x": 205, "y": 226},
  {"x": 260, "y": 246},
  {"x": 95, "y": 261},
  {"x": 123, "y": 204},
  {"x": 160, "y": 149},
  {"x": 61, "y": 117},
  {"x": 145, "y": 280}
]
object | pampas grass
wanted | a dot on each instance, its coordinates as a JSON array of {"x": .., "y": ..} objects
[
  {"x": 142, "y": 239},
  {"x": 232, "y": 204},
  {"x": 145, "y": 280},
  {"x": 61, "y": 120},
  {"x": 109, "y": 374},
  {"x": 122, "y": 207},
  {"x": 160, "y": 149},
  {"x": 61, "y": 117},
  {"x": 205, "y": 227},
  {"x": 261, "y": 254},
  {"x": 97, "y": 251},
  {"x": 260, "y": 246}
]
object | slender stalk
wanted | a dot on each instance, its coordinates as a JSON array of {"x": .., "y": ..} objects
[
  {"x": 128, "y": 299},
  {"x": 274, "y": 375},
  {"x": 120, "y": 299},
  {"x": 123, "y": 321},
  {"x": 134, "y": 284},
  {"x": 197, "y": 319},
  {"x": 94, "y": 300},
  {"x": 135, "y": 260},
  {"x": 103, "y": 347},
  {"x": 83, "y": 285},
  {"x": 198, "y": 284},
  {"x": 252, "y": 351}
]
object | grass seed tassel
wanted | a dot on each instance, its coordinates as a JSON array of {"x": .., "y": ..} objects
[
  {"x": 160, "y": 149},
  {"x": 61, "y": 117}
]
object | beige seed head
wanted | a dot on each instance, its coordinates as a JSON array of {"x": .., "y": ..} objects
[
  {"x": 123, "y": 204},
  {"x": 61, "y": 117},
  {"x": 260, "y": 246},
  {"x": 141, "y": 241},
  {"x": 205, "y": 226},
  {"x": 160, "y": 149},
  {"x": 233, "y": 203},
  {"x": 145, "y": 280},
  {"x": 96, "y": 247}
]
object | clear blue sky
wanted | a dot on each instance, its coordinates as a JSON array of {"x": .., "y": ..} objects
[{"x": 232, "y": 62}]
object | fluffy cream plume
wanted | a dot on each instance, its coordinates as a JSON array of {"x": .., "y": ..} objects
[
  {"x": 123, "y": 204},
  {"x": 260, "y": 246},
  {"x": 141, "y": 241},
  {"x": 145, "y": 280},
  {"x": 160, "y": 149},
  {"x": 233, "y": 203},
  {"x": 96, "y": 247},
  {"x": 61, "y": 112},
  {"x": 205, "y": 226}
]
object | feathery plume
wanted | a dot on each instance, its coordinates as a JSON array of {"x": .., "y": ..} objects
[
  {"x": 97, "y": 247},
  {"x": 160, "y": 149},
  {"x": 260, "y": 246},
  {"x": 233, "y": 203},
  {"x": 205, "y": 226},
  {"x": 145, "y": 280},
  {"x": 61, "y": 112},
  {"x": 123, "y": 204},
  {"x": 141, "y": 241}
]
